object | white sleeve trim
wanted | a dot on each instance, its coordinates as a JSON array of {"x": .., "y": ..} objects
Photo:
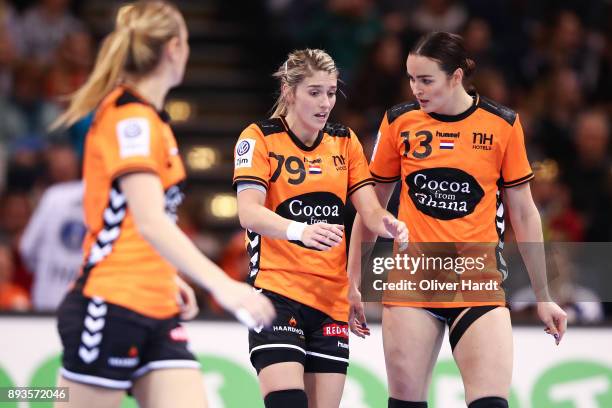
[{"x": 246, "y": 185}]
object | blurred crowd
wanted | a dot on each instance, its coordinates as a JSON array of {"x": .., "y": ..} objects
[{"x": 549, "y": 60}]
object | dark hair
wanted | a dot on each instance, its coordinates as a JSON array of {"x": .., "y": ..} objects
[{"x": 447, "y": 49}]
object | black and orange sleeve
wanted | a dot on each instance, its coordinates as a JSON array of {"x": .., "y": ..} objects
[
  {"x": 251, "y": 158},
  {"x": 358, "y": 172},
  {"x": 515, "y": 168},
  {"x": 385, "y": 163}
]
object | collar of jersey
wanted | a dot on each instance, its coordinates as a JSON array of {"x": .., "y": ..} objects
[
  {"x": 462, "y": 115},
  {"x": 163, "y": 115},
  {"x": 297, "y": 141}
]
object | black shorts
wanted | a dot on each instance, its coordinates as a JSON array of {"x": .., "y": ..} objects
[
  {"x": 449, "y": 316},
  {"x": 110, "y": 346},
  {"x": 302, "y": 334}
]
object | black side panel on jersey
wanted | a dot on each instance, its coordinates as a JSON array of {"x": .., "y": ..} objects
[
  {"x": 271, "y": 126},
  {"x": 337, "y": 130},
  {"x": 254, "y": 252},
  {"x": 503, "y": 112},
  {"x": 398, "y": 110}
]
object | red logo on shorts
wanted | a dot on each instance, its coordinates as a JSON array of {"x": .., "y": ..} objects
[
  {"x": 336, "y": 330},
  {"x": 292, "y": 322},
  {"x": 178, "y": 334},
  {"x": 133, "y": 352}
]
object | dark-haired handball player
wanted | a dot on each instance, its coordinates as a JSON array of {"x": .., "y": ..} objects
[
  {"x": 294, "y": 173},
  {"x": 447, "y": 137},
  {"x": 120, "y": 324}
]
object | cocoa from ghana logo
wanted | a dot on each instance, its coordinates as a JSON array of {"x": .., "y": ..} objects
[{"x": 443, "y": 192}]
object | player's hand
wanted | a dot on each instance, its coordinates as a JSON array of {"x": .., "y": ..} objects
[
  {"x": 396, "y": 229},
  {"x": 554, "y": 318},
  {"x": 323, "y": 236},
  {"x": 357, "y": 319},
  {"x": 187, "y": 300},
  {"x": 248, "y": 306}
]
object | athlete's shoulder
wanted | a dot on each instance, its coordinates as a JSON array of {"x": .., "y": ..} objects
[
  {"x": 123, "y": 102},
  {"x": 337, "y": 130},
  {"x": 400, "y": 109},
  {"x": 498, "y": 110},
  {"x": 269, "y": 127}
]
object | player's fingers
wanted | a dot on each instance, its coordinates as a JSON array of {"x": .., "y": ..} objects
[
  {"x": 318, "y": 245},
  {"x": 325, "y": 240},
  {"x": 355, "y": 325},
  {"x": 333, "y": 228},
  {"x": 551, "y": 329},
  {"x": 330, "y": 235},
  {"x": 561, "y": 326},
  {"x": 360, "y": 314}
]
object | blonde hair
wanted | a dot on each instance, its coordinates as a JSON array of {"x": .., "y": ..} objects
[
  {"x": 134, "y": 47},
  {"x": 299, "y": 65}
]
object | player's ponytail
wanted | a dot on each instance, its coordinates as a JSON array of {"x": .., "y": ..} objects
[
  {"x": 448, "y": 50},
  {"x": 134, "y": 47},
  {"x": 299, "y": 65}
]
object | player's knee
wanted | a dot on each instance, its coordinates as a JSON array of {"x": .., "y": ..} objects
[
  {"x": 286, "y": 398},
  {"x": 489, "y": 402},
  {"x": 395, "y": 403}
]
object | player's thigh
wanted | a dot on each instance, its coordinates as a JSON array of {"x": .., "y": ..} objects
[
  {"x": 281, "y": 376},
  {"x": 171, "y": 387},
  {"x": 324, "y": 390},
  {"x": 484, "y": 356},
  {"x": 84, "y": 395},
  {"x": 411, "y": 339},
  {"x": 278, "y": 352}
]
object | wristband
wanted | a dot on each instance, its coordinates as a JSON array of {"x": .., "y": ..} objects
[{"x": 295, "y": 230}]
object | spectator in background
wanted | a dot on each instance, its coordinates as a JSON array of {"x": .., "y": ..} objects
[
  {"x": 570, "y": 45},
  {"x": 9, "y": 47},
  {"x": 12, "y": 296},
  {"x": 479, "y": 43},
  {"x": 24, "y": 167},
  {"x": 558, "y": 100},
  {"x": 491, "y": 83},
  {"x": 438, "y": 15},
  {"x": 44, "y": 26},
  {"x": 15, "y": 210},
  {"x": 345, "y": 29},
  {"x": 61, "y": 164},
  {"x": 51, "y": 243},
  {"x": 25, "y": 115},
  {"x": 560, "y": 221},
  {"x": 375, "y": 86},
  {"x": 562, "y": 42},
  {"x": 70, "y": 66},
  {"x": 68, "y": 70},
  {"x": 590, "y": 174}
]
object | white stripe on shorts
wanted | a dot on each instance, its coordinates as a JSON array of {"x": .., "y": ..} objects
[
  {"x": 156, "y": 365},
  {"x": 312, "y": 353},
  {"x": 93, "y": 380},
  {"x": 278, "y": 345}
]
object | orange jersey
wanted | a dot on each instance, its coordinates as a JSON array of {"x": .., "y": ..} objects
[
  {"x": 127, "y": 135},
  {"x": 305, "y": 184},
  {"x": 451, "y": 170}
]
